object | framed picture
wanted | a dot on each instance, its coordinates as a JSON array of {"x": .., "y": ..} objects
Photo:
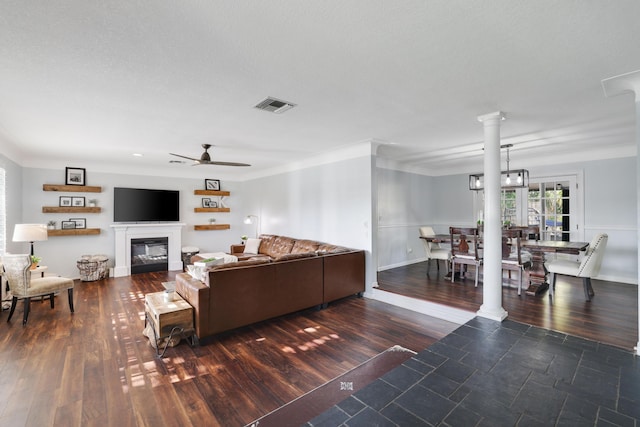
[
  {"x": 68, "y": 225},
  {"x": 75, "y": 176},
  {"x": 213, "y": 204},
  {"x": 77, "y": 201},
  {"x": 205, "y": 203},
  {"x": 65, "y": 200},
  {"x": 80, "y": 222},
  {"x": 212, "y": 184}
]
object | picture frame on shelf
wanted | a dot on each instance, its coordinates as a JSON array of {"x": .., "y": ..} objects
[
  {"x": 213, "y": 204},
  {"x": 212, "y": 184},
  {"x": 65, "y": 201},
  {"x": 77, "y": 202},
  {"x": 79, "y": 222},
  {"x": 75, "y": 176},
  {"x": 68, "y": 225},
  {"x": 205, "y": 203}
]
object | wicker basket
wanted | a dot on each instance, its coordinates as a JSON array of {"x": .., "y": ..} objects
[{"x": 93, "y": 267}]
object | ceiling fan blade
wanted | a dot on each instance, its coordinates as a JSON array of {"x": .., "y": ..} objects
[
  {"x": 185, "y": 157},
  {"x": 226, "y": 163}
]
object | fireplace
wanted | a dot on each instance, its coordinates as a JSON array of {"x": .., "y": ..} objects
[
  {"x": 127, "y": 233},
  {"x": 149, "y": 254}
]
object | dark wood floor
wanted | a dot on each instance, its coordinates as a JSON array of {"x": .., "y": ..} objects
[
  {"x": 95, "y": 368},
  {"x": 611, "y": 317}
]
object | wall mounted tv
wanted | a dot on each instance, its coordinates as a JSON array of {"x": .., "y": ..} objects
[{"x": 145, "y": 205}]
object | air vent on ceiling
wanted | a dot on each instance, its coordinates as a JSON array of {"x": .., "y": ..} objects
[{"x": 274, "y": 105}]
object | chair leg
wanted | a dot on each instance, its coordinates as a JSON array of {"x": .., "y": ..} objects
[
  {"x": 552, "y": 286},
  {"x": 27, "y": 304},
  {"x": 51, "y": 300},
  {"x": 70, "y": 292},
  {"x": 587, "y": 287},
  {"x": 14, "y": 301},
  {"x": 477, "y": 274},
  {"x": 520, "y": 281},
  {"x": 453, "y": 270}
]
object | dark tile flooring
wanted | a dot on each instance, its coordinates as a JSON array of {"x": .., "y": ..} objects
[{"x": 488, "y": 373}]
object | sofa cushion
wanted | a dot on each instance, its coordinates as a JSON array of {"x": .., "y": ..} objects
[
  {"x": 251, "y": 261},
  {"x": 252, "y": 246},
  {"x": 289, "y": 257},
  {"x": 275, "y": 246},
  {"x": 326, "y": 248},
  {"x": 304, "y": 246}
]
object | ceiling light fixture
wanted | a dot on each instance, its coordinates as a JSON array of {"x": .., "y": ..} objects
[{"x": 476, "y": 181}]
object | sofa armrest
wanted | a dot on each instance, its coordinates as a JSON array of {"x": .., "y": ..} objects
[
  {"x": 196, "y": 293},
  {"x": 236, "y": 249},
  {"x": 344, "y": 275}
]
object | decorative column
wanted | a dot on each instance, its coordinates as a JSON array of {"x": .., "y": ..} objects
[
  {"x": 491, "y": 307},
  {"x": 630, "y": 83}
]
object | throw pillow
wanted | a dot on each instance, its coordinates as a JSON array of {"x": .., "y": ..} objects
[{"x": 252, "y": 246}]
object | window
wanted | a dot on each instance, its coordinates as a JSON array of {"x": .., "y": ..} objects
[
  {"x": 3, "y": 214},
  {"x": 553, "y": 203}
]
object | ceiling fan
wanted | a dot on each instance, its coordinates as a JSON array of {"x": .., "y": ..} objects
[{"x": 205, "y": 159}]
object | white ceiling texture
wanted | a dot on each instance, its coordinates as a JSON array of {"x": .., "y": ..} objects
[{"x": 87, "y": 83}]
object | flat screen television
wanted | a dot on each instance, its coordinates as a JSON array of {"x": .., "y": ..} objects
[{"x": 145, "y": 205}]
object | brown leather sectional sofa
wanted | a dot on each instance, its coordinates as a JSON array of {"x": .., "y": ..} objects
[{"x": 287, "y": 275}]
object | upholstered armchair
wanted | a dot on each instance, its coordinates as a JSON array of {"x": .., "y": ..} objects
[
  {"x": 23, "y": 286},
  {"x": 433, "y": 249},
  {"x": 586, "y": 268}
]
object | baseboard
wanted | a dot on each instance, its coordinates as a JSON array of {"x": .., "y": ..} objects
[{"x": 401, "y": 264}]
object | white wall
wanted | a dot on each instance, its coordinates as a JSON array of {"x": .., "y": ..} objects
[
  {"x": 610, "y": 201},
  {"x": 13, "y": 183},
  {"x": 330, "y": 203},
  {"x": 60, "y": 253}
]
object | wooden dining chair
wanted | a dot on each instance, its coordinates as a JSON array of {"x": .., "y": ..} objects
[
  {"x": 465, "y": 252},
  {"x": 513, "y": 257}
]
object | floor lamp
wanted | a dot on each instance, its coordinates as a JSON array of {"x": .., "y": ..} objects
[
  {"x": 30, "y": 233},
  {"x": 250, "y": 219}
]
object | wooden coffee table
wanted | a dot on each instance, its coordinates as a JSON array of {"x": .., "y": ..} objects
[{"x": 168, "y": 319}]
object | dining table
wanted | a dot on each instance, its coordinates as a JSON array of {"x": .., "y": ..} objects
[{"x": 539, "y": 249}]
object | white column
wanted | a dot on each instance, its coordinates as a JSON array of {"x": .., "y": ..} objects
[
  {"x": 630, "y": 83},
  {"x": 491, "y": 307}
]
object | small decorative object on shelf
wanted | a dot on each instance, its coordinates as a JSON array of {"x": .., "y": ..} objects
[
  {"x": 212, "y": 220},
  {"x": 93, "y": 202},
  {"x": 206, "y": 202},
  {"x": 34, "y": 261},
  {"x": 51, "y": 225},
  {"x": 212, "y": 184},
  {"x": 68, "y": 225},
  {"x": 75, "y": 176},
  {"x": 244, "y": 238},
  {"x": 77, "y": 201}
]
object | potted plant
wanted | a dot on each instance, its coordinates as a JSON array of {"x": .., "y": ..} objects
[
  {"x": 34, "y": 261},
  {"x": 244, "y": 238},
  {"x": 51, "y": 225},
  {"x": 93, "y": 202},
  {"x": 212, "y": 220}
]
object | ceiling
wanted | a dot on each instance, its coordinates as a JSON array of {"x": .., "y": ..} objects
[{"x": 89, "y": 83}]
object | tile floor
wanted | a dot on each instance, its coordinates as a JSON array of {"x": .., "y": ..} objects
[{"x": 488, "y": 373}]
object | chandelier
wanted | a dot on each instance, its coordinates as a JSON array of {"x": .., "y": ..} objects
[{"x": 516, "y": 178}]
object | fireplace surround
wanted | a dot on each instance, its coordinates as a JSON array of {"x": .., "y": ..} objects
[{"x": 125, "y": 232}]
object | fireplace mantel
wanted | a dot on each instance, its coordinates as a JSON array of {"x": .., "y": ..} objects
[{"x": 127, "y": 231}]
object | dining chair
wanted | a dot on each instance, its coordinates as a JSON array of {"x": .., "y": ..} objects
[
  {"x": 464, "y": 253},
  {"x": 434, "y": 250},
  {"x": 23, "y": 286},
  {"x": 586, "y": 268},
  {"x": 513, "y": 257}
]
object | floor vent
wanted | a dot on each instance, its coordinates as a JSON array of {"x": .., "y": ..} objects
[{"x": 274, "y": 105}]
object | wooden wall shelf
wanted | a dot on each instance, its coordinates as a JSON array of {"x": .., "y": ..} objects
[
  {"x": 212, "y": 210},
  {"x": 71, "y": 209},
  {"x": 211, "y": 193},
  {"x": 72, "y": 188},
  {"x": 212, "y": 227},
  {"x": 74, "y": 232}
]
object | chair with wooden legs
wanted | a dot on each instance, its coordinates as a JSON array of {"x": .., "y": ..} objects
[
  {"x": 587, "y": 268},
  {"x": 465, "y": 252},
  {"x": 433, "y": 250},
  {"x": 22, "y": 286},
  {"x": 513, "y": 257}
]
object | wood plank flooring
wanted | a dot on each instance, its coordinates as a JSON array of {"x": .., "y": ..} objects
[
  {"x": 95, "y": 368},
  {"x": 611, "y": 317}
]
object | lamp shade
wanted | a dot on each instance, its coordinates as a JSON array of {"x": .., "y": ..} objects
[{"x": 30, "y": 232}]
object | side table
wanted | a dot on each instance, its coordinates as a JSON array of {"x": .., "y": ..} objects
[{"x": 167, "y": 320}]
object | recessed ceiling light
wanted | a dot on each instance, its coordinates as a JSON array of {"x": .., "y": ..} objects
[{"x": 137, "y": 155}]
